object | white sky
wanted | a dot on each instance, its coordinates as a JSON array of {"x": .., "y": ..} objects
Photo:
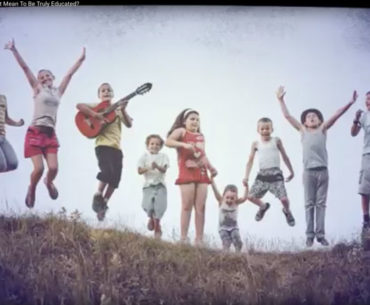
[{"x": 226, "y": 62}]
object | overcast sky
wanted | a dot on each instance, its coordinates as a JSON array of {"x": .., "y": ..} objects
[{"x": 225, "y": 62}]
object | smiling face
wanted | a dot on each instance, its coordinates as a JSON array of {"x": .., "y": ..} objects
[
  {"x": 46, "y": 78},
  {"x": 265, "y": 129},
  {"x": 312, "y": 120},
  {"x": 230, "y": 197},
  {"x": 105, "y": 92},
  {"x": 154, "y": 145},
  {"x": 192, "y": 122}
]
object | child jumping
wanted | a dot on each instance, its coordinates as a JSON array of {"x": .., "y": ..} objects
[
  {"x": 107, "y": 149},
  {"x": 8, "y": 158},
  {"x": 41, "y": 140},
  {"x": 362, "y": 120},
  {"x": 313, "y": 131},
  {"x": 270, "y": 177},
  {"x": 186, "y": 137},
  {"x": 153, "y": 165},
  {"x": 228, "y": 215}
]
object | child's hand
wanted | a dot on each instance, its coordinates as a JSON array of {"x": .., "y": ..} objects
[
  {"x": 245, "y": 182},
  {"x": 123, "y": 104},
  {"x": 20, "y": 122},
  {"x": 154, "y": 165},
  {"x": 83, "y": 56},
  {"x": 213, "y": 172},
  {"x": 10, "y": 45},
  {"x": 290, "y": 177},
  {"x": 354, "y": 97},
  {"x": 280, "y": 93},
  {"x": 358, "y": 114},
  {"x": 100, "y": 117},
  {"x": 188, "y": 146}
]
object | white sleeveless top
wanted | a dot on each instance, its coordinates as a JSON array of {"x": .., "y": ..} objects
[
  {"x": 46, "y": 104},
  {"x": 268, "y": 153},
  {"x": 228, "y": 217}
]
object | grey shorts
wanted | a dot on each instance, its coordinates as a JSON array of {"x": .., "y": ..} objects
[
  {"x": 270, "y": 179},
  {"x": 229, "y": 237},
  {"x": 364, "y": 182},
  {"x": 155, "y": 200}
]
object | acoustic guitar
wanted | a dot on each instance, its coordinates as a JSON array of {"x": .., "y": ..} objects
[{"x": 92, "y": 127}]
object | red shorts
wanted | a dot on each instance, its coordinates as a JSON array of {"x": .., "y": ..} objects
[
  {"x": 40, "y": 140},
  {"x": 192, "y": 175}
]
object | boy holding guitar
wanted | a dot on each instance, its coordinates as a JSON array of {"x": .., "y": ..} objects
[{"x": 107, "y": 147}]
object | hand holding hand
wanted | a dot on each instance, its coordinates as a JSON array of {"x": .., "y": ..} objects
[
  {"x": 213, "y": 172},
  {"x": 245, "y": 182}
]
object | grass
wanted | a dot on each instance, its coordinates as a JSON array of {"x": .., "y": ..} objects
[{"x": 59, "y": 259}]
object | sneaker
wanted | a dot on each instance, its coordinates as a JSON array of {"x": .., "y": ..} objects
[
  {"x": 98, "y": 202},
  {"x": 53, "y": 192},
  {"x": 323, "y": 241},
  {"x": 261, "y": 212},
  {"x": 366, "y": 228},
  {"x": 30, "y": 198},
  {"x": 289, "y": 218},
  {"x": 101, "y": 214},
  {"x": 309, "y": 241}
]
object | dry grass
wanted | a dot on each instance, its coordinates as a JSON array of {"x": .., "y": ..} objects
[{"x": 60, "y": 260}]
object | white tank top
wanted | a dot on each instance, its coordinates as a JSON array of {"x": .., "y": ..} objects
[
  {"x": 46, "y": 104},
  {"x": 268, "y": 153},
  {"x": 228, "y": 217}
]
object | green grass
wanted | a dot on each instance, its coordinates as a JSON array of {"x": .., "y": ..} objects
[{"x": 59, "y": 259}]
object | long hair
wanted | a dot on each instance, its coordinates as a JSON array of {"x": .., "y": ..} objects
[{"x": 181, "y": 118}]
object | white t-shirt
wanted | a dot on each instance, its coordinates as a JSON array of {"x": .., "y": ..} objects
[
  {"x": 228, "y": 217},
  {"x": 153, "y": 176},
  {"x": 365, "y": 124},
  {"x": 268, "y": 153}
]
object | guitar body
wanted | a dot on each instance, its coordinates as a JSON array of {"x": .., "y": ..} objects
[{"x": 91, "y": 127}]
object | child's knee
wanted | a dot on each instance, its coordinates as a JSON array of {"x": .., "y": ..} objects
[
  {"x": 38, "y": 170},
  {"x": 284, "y": 200}
]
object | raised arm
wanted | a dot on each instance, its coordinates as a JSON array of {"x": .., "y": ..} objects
[
  {"x": 250, "y": 163},
  {"x": 356, "y": 126},
  {"x": 11, "y": 122},
  {"x": 286, "y": 160},
  {"x": 280, "y": 93},
  {"x": 216, "y": 192},
  {"x": 245, "y": 196},
  {"x": 174, "y": 140},
  {"x": 30, "y": 77},
  {"x": 330, "y": 122},
  {"x": 63, "y": 85}
]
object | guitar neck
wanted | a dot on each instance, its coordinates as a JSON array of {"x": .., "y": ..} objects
[{"x": 117, "y": 104}]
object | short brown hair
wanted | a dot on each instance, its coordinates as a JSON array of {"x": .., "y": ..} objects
[
  {"x": 231, "y": 188},
  {"x": 156, "y": 136},
  {"x": 317, "y": 112}
]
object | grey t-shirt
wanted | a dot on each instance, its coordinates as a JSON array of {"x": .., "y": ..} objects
[
  {"x": 365, "y": 124},
  {"x": 314, "y": 148},
  {"x": 46, "y": 106}
]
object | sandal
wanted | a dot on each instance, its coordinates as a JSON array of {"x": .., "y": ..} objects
[
  {"x": 289, "y": 218},
  {"x": 53, "y": 192},
  {"x": 30, "y": 198},
  {"x": 150, "y": 224},
  {"x": 261, "y": 212}
]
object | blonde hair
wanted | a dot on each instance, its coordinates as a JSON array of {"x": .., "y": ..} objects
[
  {"x": 105, "y": 84},
  {"x": 45, "y": 70}
]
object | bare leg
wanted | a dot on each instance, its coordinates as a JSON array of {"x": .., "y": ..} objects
[
  {"x": 257, "y": 201},
  {"x": 285, "y": 203},
  {"x": 38, "y": 169},
  {"x": 108, "y": 193},
  {"x": 187, "y": 203},
  {"x": 101, "y": 187},
  {"x": 52, "y": 162},
  {"x": 200, "y": 206}
]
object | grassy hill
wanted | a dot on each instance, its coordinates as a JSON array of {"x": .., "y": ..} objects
[{"x": 61, "y": 260}]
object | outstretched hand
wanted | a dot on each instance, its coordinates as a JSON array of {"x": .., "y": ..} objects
[
  {"x": 10, "y": 45},
  {"x": 83, "y": 55},
  {"x": 280, "y": 93},
  {"x": 354, "y": 97}
]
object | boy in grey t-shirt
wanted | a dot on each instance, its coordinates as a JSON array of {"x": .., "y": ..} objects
[
  {"x": 313, "y": 130},
  {"x": 362, "y": 119}
]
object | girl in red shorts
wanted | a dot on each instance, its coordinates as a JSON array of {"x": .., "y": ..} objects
[
  {"x": 193, "y": 164},
  {"x": 41, "y": 140}
]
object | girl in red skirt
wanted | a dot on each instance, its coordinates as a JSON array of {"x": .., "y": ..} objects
[
  {"x": 41, "y": 140},
  {"x": 193, "y": 164}
]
